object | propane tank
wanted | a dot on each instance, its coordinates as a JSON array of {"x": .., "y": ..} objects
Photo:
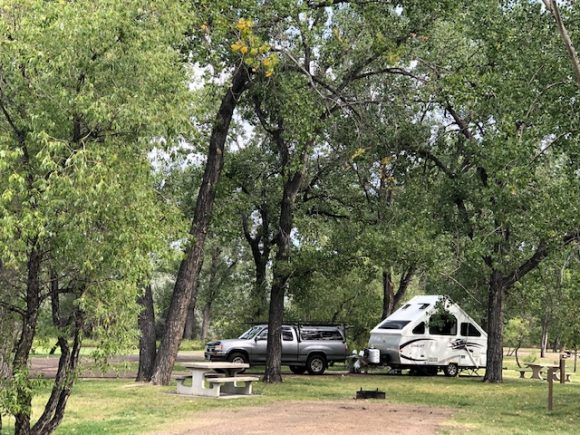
[{"x": 374, "y": 356}]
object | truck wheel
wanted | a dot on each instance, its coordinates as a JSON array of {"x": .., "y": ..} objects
[
  {"x": 316, "y": 364},
  {"x": 451, "y": 370},
  {"x": 298, "y": 370},
  {"x": 238, "y": 357}
]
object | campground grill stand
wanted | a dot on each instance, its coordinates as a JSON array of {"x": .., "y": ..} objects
[{"x": 370, "y": 394}]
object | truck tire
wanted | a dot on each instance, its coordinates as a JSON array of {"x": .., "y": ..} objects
[
  {"x": 238, "y": 357},
  {"x": 298, "y": 370},
  {"x": 316, "y": 364},
  {"x": 451, "y": 370}
]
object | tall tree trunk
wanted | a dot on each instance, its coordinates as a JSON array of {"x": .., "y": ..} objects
[
  {"x": 388, "y": 294},
  {"x": 260, "y": 289},
  {"x": 68, "y": 363},
  {"x": 495, "y": 314},
  {"x": 212, "y": 288},
  {"x": 185, "y": 285},
  {"x": 147, "y": 345},
  {"x": 189, "y": 329},
  {"x": 24, "y": 345},
  {"x": 261, "y": 247},
  {"x": 390, "y": 298},
  {"x": 281, "y": 273},
  {"x": 544, "y": 338},
  {"x": 206, "y": 319}
]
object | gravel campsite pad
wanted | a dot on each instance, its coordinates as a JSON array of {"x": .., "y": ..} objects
[{"x": 317, "y": 417}]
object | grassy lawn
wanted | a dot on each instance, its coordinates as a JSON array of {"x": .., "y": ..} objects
[{"x": 516, "y": 406}]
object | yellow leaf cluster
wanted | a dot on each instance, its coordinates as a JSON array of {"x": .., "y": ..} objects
[
  {"x": 386, "y": 160},
  {"x": 244, "y": 25},
  {"x": 253, "y": 49},
  {"x": 359, "y": 152}
]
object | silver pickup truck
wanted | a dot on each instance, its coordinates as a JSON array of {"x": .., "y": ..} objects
[{"x": 304, "y": 348}]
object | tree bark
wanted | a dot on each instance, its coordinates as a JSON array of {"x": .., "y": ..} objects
[
  {"x": 544, "y": 338},
  {"x": 64, "y": 381},
  {"x": 282, "y": 270},
  {"x": 388, "y": 294},
  {"x": 189, "y": 329},
  {"x": 185, "y": 285},
  {"x": 552, "y": 6},
  {"x": 390, "y": 298},
  {"x": 495, "y": 315},
  {"x": 22, "y": 351},
  {"x": 261, "y": 247},
  {"x": 147, "y": 345},
  {"x": 212, "y": 289},
  {"x": 205, "y": 321}
]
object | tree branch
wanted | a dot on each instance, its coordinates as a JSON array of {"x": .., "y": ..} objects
[
  {"x": 531, "y": 263},
  {"x": 552, "y": 6}
]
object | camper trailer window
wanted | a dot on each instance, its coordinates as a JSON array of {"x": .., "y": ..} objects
[
  {"x": 442, "y": 324},
  {"x": 469, "y": 330},
  {"x": 405, "y": 306},
  {"x": 423, "y": 306},
  {"x": 419, "y": 329},
  {"x": 394, "y": 324}
]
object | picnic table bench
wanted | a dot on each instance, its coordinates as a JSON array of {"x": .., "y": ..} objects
[
  {"x": 215, "y": 379},
  {"x": 522, "y": 371}
]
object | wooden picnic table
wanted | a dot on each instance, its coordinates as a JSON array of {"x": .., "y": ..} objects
[
  {"x": 537, "y": 369},
  {"x": 215, "y": 378}
]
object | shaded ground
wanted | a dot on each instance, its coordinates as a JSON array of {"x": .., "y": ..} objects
[{"x": 317, "y": 417}]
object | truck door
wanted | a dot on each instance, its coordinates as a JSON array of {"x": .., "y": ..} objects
[
  {"x": 259, "y": 347},
  {"x": 289, "y": 345}
]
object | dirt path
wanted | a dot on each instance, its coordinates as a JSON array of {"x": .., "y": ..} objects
[{"x": 316, "y": 417}]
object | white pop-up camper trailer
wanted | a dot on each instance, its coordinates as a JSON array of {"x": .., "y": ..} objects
[{"x": 418, "y": 337}]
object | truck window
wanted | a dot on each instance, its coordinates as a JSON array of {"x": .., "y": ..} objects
[
  {"x": 443, "y": 325},
  {"x": 287, "y": 334},
  {"x": 419, "y": 329},
  {"x": 469, "y": 330},
  {"x": 250, "y": 333},
  {"x": 320, "y": 334},
  {"x": 394, "y": 324},
  {"x": 310, "y": 334}
]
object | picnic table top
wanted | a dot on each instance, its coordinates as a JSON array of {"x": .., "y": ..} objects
[
  {"x": 210, "y": 365},
  {"x": 540, "y": 365}
]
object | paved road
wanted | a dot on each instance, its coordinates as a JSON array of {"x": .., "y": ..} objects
[{"x": 48, "y": 366}]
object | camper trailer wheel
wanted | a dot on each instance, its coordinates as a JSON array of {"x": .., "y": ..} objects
[
  {"x": 451, "y": 370},
  {"x": 316, "y": 364}
]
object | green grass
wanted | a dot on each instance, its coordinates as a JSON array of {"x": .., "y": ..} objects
[{"x": 516, "y": 406}]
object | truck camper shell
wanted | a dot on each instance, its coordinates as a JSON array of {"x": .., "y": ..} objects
[{"x": 417, "y": 337}]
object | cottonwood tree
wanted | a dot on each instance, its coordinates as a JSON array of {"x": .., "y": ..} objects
[
  {"x": 231, "y": 45},
  {"x": 80, "y": 106},
  {"x": 332, "y": 50},
  {"x": 505, "y": 135}
]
